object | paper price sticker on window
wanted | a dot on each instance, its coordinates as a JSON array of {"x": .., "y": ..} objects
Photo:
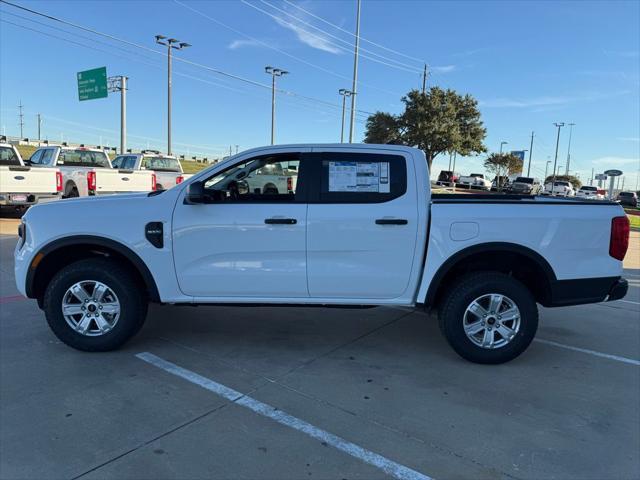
[{"x": 359, "y": 177}]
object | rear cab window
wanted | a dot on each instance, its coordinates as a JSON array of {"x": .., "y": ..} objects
[
  {"x": 8, "y": 157},
  {"x": 161, "y": 164},
  {"x": 83, "y": 158}
]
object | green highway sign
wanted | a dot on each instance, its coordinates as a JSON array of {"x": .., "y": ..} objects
[{"x": 92, "y": 84}]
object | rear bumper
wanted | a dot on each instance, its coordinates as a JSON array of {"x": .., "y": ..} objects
[
  {"x": 587, "y": 290},
  {"x": 7, "y": 199}
]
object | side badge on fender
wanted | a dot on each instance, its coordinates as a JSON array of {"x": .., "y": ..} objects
[{"x": 155, "y": 234}]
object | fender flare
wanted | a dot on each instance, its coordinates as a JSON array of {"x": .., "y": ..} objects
[
  {"x": 459, "y": 256},
  {"x": 118, "y": 247}
]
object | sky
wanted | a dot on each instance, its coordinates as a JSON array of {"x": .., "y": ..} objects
[{"x": 529, "y": 64}]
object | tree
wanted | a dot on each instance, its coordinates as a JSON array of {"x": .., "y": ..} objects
[
  {"x": 436, "y": 122},
  {"x": 503, "y": 164},
  {"x": 573, "y": 180}
]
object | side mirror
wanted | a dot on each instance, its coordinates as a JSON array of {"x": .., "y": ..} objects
[{"x": 195, "y": 194}]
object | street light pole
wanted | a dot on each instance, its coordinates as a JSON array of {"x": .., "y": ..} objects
[
  {"x": 569, "y": 149},
  {"x": 498, "y": 182},
  {"x": 354, "y": 87},
  {"x": 501, "y": 144},
  {"x": 555, "y": 161},
  {"x": 274, "y": 72},
  {"x": 530, "y": 154},
  {"x": 344, "y": 93},
  {"x": 175, "y": 44},
  {"x": 546, "y": 169},
  {"x": 119, "y": 84}
]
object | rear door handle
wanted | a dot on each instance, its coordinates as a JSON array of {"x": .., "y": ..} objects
[
  {"x": 391, "y": 221},
  {"x": 280, "y": 221}
]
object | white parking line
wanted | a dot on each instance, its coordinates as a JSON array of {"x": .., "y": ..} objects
[
  {"x": 388, "y": 466},
  {"x": 617, "y": 358},
  {"x": 629, "y": 301}
]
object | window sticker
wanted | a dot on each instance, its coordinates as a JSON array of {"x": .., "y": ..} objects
[{"x": 359, "y": 177}]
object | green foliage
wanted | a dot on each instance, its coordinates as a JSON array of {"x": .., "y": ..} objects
[
  {"x": 436, "y": 122},
  {"x": 503, "y": 164},
  {"x": 573, "y": 180}
]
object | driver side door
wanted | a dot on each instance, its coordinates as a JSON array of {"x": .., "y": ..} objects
[{"x": 245, "y": 241}]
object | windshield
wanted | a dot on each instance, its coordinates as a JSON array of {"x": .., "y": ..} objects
[
  {"x": 524, "y": 180},
  {"x": 626, "y": 194},
  {"x": 589, "y": 189},
  {"x": 8, "y": 157},
  {"x": 83, "y": 158},
  {"x": 165, "y": 164},
  {"x": 561, "y": 184}
]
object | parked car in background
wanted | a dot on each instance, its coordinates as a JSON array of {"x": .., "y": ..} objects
[
  {"x": 628, "y": 198},
  {"x": 21, "y": 185},
  {"x": 588, "y": 192},
  {"x": 447, "y": 177},
  {"x": 87, "y": 171},
  {"x": 526, "y": 186},
  {"x": 362, "y": 228},
  {"x": 167, "y": 168},
  {"x": 559, "y": 188},
  {"x": 475, "y": 180}
]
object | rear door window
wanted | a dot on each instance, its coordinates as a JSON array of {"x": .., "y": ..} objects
[{"x": 8, "y": 157}]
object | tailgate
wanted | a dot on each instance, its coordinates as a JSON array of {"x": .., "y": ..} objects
[
  {"x": 121, "y": 181},
  {"x": 27, "y": 180}
]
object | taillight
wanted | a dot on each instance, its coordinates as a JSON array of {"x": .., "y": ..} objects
[
  {"x": 91, "y": 181},
  {"x": 154, "y": 184},
  {"x": 289, "y": 184},
  {"x": 179, "y": 179},
  {"x": 619, "y": 237},
  {"x": 58, "y": 181}
]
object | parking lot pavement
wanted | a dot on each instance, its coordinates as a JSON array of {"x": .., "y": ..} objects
[{"x": 319, "y": 393}]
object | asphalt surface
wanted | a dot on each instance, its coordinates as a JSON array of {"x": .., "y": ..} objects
[{"x": 318, "y": 393}]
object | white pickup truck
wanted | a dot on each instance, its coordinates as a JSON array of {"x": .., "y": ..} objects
[
  {"x": 475, "y": 180},
  {"x": 88, "y": 172},
  {"x": 361, "y": 229},
  {"x": 21, "y": 186},
  {"x": 167, "y": 168}
]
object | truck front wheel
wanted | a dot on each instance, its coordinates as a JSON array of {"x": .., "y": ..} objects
[
  {"x": 488, "y": 317},
  {"x": 94, "y": 305}
]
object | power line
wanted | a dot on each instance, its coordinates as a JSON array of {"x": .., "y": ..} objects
[
  {"x": 340, "y": 47},
  {"x": 267, "y": 45},
  {"x": 182, "y": 60},
  {"x": 351, "y": 33},
  {"x": 338, "y": 38}
]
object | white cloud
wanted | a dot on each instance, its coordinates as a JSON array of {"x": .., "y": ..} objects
[
  {"x": 243, "y": 43},
  {"x": 617, "y": 162},
  {"x": 314, "y": 40},
  {"x": 443, "y": 69},
  {"x": 547, "y": 101}
]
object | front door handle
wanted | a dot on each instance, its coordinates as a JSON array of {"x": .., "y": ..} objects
[
  {"x": 280, "y": 221},
  {"x": 391, "y": 221}
]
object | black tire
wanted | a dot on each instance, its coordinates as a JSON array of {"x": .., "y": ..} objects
[
  {"x": 470, "y": 287},
  {"x": 71, "y": 192},
  {"x": 133, "y": 305}
]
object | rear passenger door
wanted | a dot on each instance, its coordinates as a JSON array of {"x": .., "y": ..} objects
[{"x": 362, "y": 223}]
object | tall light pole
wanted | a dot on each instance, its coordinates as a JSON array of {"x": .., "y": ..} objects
[
  {"x": 501, "y": 145},
  {"x": 119, "y": 84},
  {"x": 569, "y": 149},
  {"x": 171, "y": 44},
  {"x": 555, "y": 161},
  {"x": 354, "y": 87},
  {"x": 530, "y": 154},
  {"x": 546, "y": 169},
  {"x": 274, "y": 72},
  {"x": 344, "y": 93}
]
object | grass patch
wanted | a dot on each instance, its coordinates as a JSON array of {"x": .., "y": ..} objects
[{"x": 634, "y": 220}]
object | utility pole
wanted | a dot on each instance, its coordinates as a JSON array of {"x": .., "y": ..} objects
[
  {"x": 274, "y": 72},
  {"x": 530, "y": 153},
  {"x": 555, "y": 161},
  {"x": 354, "y": 87},
  {"x": 39, "y": 127},
  {"x": 546, "y": 169},
  {"x": 21, "y": 116},
  {"x": 569, "y": 149},
  {"x": 592, "y": 173},
  {"x": 119, "y": 84},
  {"x": 344, "y": 93},
  {"x": 237, "y": 149},
  {"x": 424, "y": 80},
  {"x": 170, "y": 43},
  {"x": 453, "y": 171}
]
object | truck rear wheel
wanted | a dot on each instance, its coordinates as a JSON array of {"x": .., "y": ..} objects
[
  {"x": 94, "y": 305},
  {"x": 488, "y": 317}
]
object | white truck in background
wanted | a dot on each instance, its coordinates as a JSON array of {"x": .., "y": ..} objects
[
  {"x": 475, "y": 180},
  {"x": 88, "y": 172},
  {"x": 167, "y": 168},
  {"x": 21, "y": 185}
]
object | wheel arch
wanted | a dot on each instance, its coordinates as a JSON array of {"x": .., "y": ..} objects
[
  {"x": 54, "y": 255},
  {"x": 525, "y": 264}
]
